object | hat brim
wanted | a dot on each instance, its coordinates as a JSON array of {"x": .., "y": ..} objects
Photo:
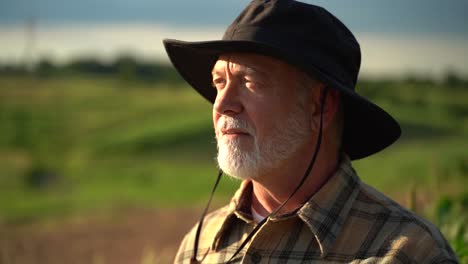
[{"x": 367, "y": 128}]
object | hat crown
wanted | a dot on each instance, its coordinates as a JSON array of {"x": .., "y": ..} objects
[{"x": 307, "y": 32}]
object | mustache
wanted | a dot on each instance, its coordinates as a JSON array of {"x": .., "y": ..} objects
[{"x": 227, "y": 122}]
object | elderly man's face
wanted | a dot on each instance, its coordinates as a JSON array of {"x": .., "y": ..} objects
[{"x": 259, "y": 114}]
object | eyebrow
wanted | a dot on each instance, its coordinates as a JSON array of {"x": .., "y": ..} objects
[
  {"x": 244, "y": 70},
  {"x": 213, "y": 72}
]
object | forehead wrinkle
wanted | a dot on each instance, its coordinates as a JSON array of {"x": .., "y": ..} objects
[
  {"x": 223, "y": 65},
  {"x": 245, "y": 68},
  {"x": 239, "y": 65},
  {"x": 216, "y": 68},
  {"x": 236, "y": 68}
]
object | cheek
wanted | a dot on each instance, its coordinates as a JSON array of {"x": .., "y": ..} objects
[
  {"x": 216, "y": 117},
  {"x": 267, "y": 119},
  {"x": 261, "y": 118}
]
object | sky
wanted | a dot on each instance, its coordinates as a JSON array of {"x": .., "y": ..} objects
[{"x": 422, "y": 36}]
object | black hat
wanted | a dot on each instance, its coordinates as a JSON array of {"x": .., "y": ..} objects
[{"x": 308, "y": 37}]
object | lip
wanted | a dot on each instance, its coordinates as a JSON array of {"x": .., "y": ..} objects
[{"x": 234, "y": 132}]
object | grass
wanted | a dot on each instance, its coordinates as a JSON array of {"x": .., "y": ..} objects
[
  {"x": 77, "y": 144},
  {"x": 107, "y": 145}
]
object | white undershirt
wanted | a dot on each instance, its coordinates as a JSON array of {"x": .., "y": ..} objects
[{"x": 256, "y": 216}]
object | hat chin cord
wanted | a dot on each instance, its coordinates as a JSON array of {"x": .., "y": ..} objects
[{"x": 193, "y": 259}]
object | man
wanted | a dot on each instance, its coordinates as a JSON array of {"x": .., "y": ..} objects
[{"x": 288, "y": 121}]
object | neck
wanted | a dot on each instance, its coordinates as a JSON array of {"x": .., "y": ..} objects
[{"x": 273, "y": 188}]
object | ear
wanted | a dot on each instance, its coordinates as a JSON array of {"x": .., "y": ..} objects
[{"x": 332, "y": 104}]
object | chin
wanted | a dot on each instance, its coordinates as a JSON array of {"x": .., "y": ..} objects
[
  {"x": 238, "y": 162},
  {"x": 240, "y": 174}
]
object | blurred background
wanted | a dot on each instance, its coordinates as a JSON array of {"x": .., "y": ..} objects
[{"x": 107, "y": 156}]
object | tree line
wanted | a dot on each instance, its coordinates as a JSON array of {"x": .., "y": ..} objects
[
  {"x": 124, "y": 67},
  {"x": 128, "y": 67}
]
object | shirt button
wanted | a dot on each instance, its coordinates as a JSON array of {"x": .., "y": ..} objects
[{"x": 256, "y": 257}]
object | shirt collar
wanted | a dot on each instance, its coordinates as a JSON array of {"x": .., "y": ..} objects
[
  {"x": 239, "y": 207},
  {"x": 324, "y": 213},
  {"x": 327, "y": 210}
]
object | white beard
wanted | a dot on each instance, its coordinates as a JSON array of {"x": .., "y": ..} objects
[{"x": 285, "y": 139}]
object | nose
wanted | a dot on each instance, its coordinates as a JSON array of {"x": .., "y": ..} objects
[{"x": 228, "y": 100}]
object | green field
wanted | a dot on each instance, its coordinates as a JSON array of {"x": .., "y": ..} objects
[{"x": 72, "y": 145}]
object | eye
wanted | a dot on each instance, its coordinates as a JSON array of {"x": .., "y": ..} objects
[
  {"x": 219, "y": 83},
  {"x": 249, "y": 83}
]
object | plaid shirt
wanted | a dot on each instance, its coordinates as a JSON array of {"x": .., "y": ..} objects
[{"x": 345, "y": 221}]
